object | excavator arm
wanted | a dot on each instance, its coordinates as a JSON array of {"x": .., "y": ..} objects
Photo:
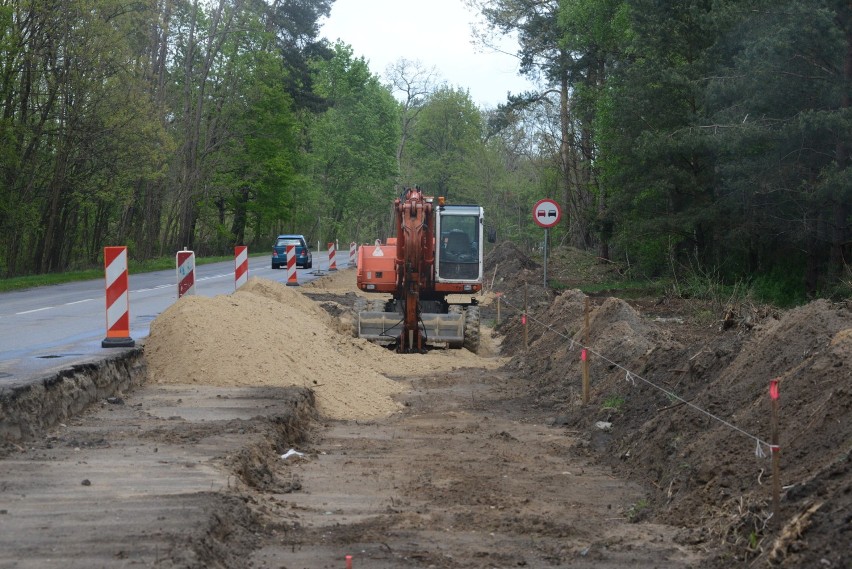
[{"x": 415, "y": 259}]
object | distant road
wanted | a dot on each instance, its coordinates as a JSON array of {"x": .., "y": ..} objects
[{"x": 47, "y": 328}]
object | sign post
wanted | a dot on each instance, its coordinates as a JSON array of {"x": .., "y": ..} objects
[{"x": 546, "y": 213}]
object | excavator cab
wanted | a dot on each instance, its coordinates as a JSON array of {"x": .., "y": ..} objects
[{"x": 459, "y": 257}]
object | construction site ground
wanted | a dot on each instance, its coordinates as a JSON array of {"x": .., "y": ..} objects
[{"x": 260, "y": 433}]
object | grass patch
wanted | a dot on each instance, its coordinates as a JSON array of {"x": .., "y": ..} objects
[
  {"x": 638, "y": 510},
  {"x": 624, "y": 289},
  {"x": 613, "y": 403},
  {"x": 31, "y": 281},
  {"x": 640, "y": 286},
  {"x": 134, "y": 267}
]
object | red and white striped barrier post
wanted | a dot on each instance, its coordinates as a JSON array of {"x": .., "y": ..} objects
[
  {"x": 332, "y": 264},
  {"x": 353, "y": 253},
  {"x": 117, "y": 299},
  {"x": 292, "y": 278},
  {"x": 240, "y": 266},
  {"x": 185, "y": 261}
]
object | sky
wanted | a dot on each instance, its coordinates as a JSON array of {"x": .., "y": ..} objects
[{"x": 437, "y": 33}]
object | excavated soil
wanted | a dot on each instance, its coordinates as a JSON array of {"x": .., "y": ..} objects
[
  {"x": 267, "y": 436},
  {"x": 681, "y": 404},
  {"x": 268, "y": 334}
]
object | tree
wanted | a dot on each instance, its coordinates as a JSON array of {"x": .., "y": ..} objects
[
  {"x": 596, "y": 32},
  {"x": 353, "y": 144},
  {"x": 76, "y": 126},
  {"x": 295, "y": 26},
  {"x": 545, "y": 54},
  {"x": 414, "y": 84},
  {"x": 655, "y": 157},
  {"x": 448, "y": 132},
  {"x": 783, "y": 127},
  {"x": 255, "y": 186}
]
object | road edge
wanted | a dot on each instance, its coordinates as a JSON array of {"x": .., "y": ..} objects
[{"x": 28, "y": 410}]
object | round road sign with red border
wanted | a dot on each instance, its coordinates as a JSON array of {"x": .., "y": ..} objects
[{"x": 546, "y": 213}]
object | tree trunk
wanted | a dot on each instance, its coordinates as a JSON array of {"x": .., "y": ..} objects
[
  {"x": 841, "y": 241},
  {"x": 238, "y": 226},
  {"x": 565, "y": 155}
]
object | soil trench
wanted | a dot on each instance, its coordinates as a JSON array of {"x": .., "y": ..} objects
[
  {"x": 161, "y": 477},
  {"x": 463, "y": 478}
]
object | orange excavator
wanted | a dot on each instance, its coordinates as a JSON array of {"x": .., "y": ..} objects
[{"x": 428, "y": 268}]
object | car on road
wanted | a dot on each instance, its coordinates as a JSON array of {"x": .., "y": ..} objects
[{"x": 304, "y": 258}]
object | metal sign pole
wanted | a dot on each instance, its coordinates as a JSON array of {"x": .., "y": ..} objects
[
  {"x": 545, "y": 257},
  {"x": 546, "y": 214}
]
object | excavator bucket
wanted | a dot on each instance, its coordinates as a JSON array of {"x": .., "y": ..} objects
[
  {"x": 385, "y": 327},
  {"x": 441, "y": 328},
  {"x": 381, "y": 327}
]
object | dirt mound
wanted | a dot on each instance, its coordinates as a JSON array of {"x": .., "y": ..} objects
[
  {"x": 616, "y": 330},
  {"x": 268, "y": 334},
  {"x": 810, "y": 351},
  {"x": 509, "y": 260},
  {"x": 672, "y": 434}
]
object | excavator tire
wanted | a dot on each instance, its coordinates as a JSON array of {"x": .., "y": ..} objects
[{"x": 471, "y": 329}]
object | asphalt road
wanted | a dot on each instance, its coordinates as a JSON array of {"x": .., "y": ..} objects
[{"x": 48, "y": 328}]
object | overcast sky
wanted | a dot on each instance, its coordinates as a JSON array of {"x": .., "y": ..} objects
[{"x": 435, "y": 32}]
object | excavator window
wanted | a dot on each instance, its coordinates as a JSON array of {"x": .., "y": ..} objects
[
  {"x": 459, "y": 254},
  {"x": 458, "y": 243}
]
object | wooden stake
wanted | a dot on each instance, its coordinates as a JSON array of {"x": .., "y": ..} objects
[
  {"x": 498, "y": 306},
  {"x": 776, "y": 454},
  {"x": 586, "y": 355}
]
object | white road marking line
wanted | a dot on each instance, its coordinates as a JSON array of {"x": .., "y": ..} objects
[
  {"x": 31, "y": 311},
  {"x": 215, "y": 277},
  {"x": 79, "y": 301}
]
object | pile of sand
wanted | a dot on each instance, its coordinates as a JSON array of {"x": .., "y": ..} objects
[{"x": 267, "y": 334}]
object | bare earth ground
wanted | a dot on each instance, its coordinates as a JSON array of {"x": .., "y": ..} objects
[
  {"x": 447, "y": 459},
  {"x": 466, "y": 477}
]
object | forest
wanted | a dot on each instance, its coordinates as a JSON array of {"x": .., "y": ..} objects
[{"x": 704, "y": 139}]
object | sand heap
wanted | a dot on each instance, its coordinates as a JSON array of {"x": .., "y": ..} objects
[{"x": 267, "y": 334}]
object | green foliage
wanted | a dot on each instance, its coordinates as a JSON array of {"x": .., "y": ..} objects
[
  {"x": 613, "y": 403},
  {"x": 638, "y": 510},
  {"x": 706, "y": 141},
  {"x": 257, "y": 180},
  {"x": 780, "y": 288},
  {"x": 353, "y": 147},
  {"x": 712, "y": 155},
  {"x": 445, "y": 144}
]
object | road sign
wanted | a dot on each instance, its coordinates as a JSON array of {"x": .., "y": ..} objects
[
  {"x": 185, "y": 261},
  {"x": 546, "y": 213},
  {"x": 117, "y": 299},
  {"x": 240, "y": 266}
]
